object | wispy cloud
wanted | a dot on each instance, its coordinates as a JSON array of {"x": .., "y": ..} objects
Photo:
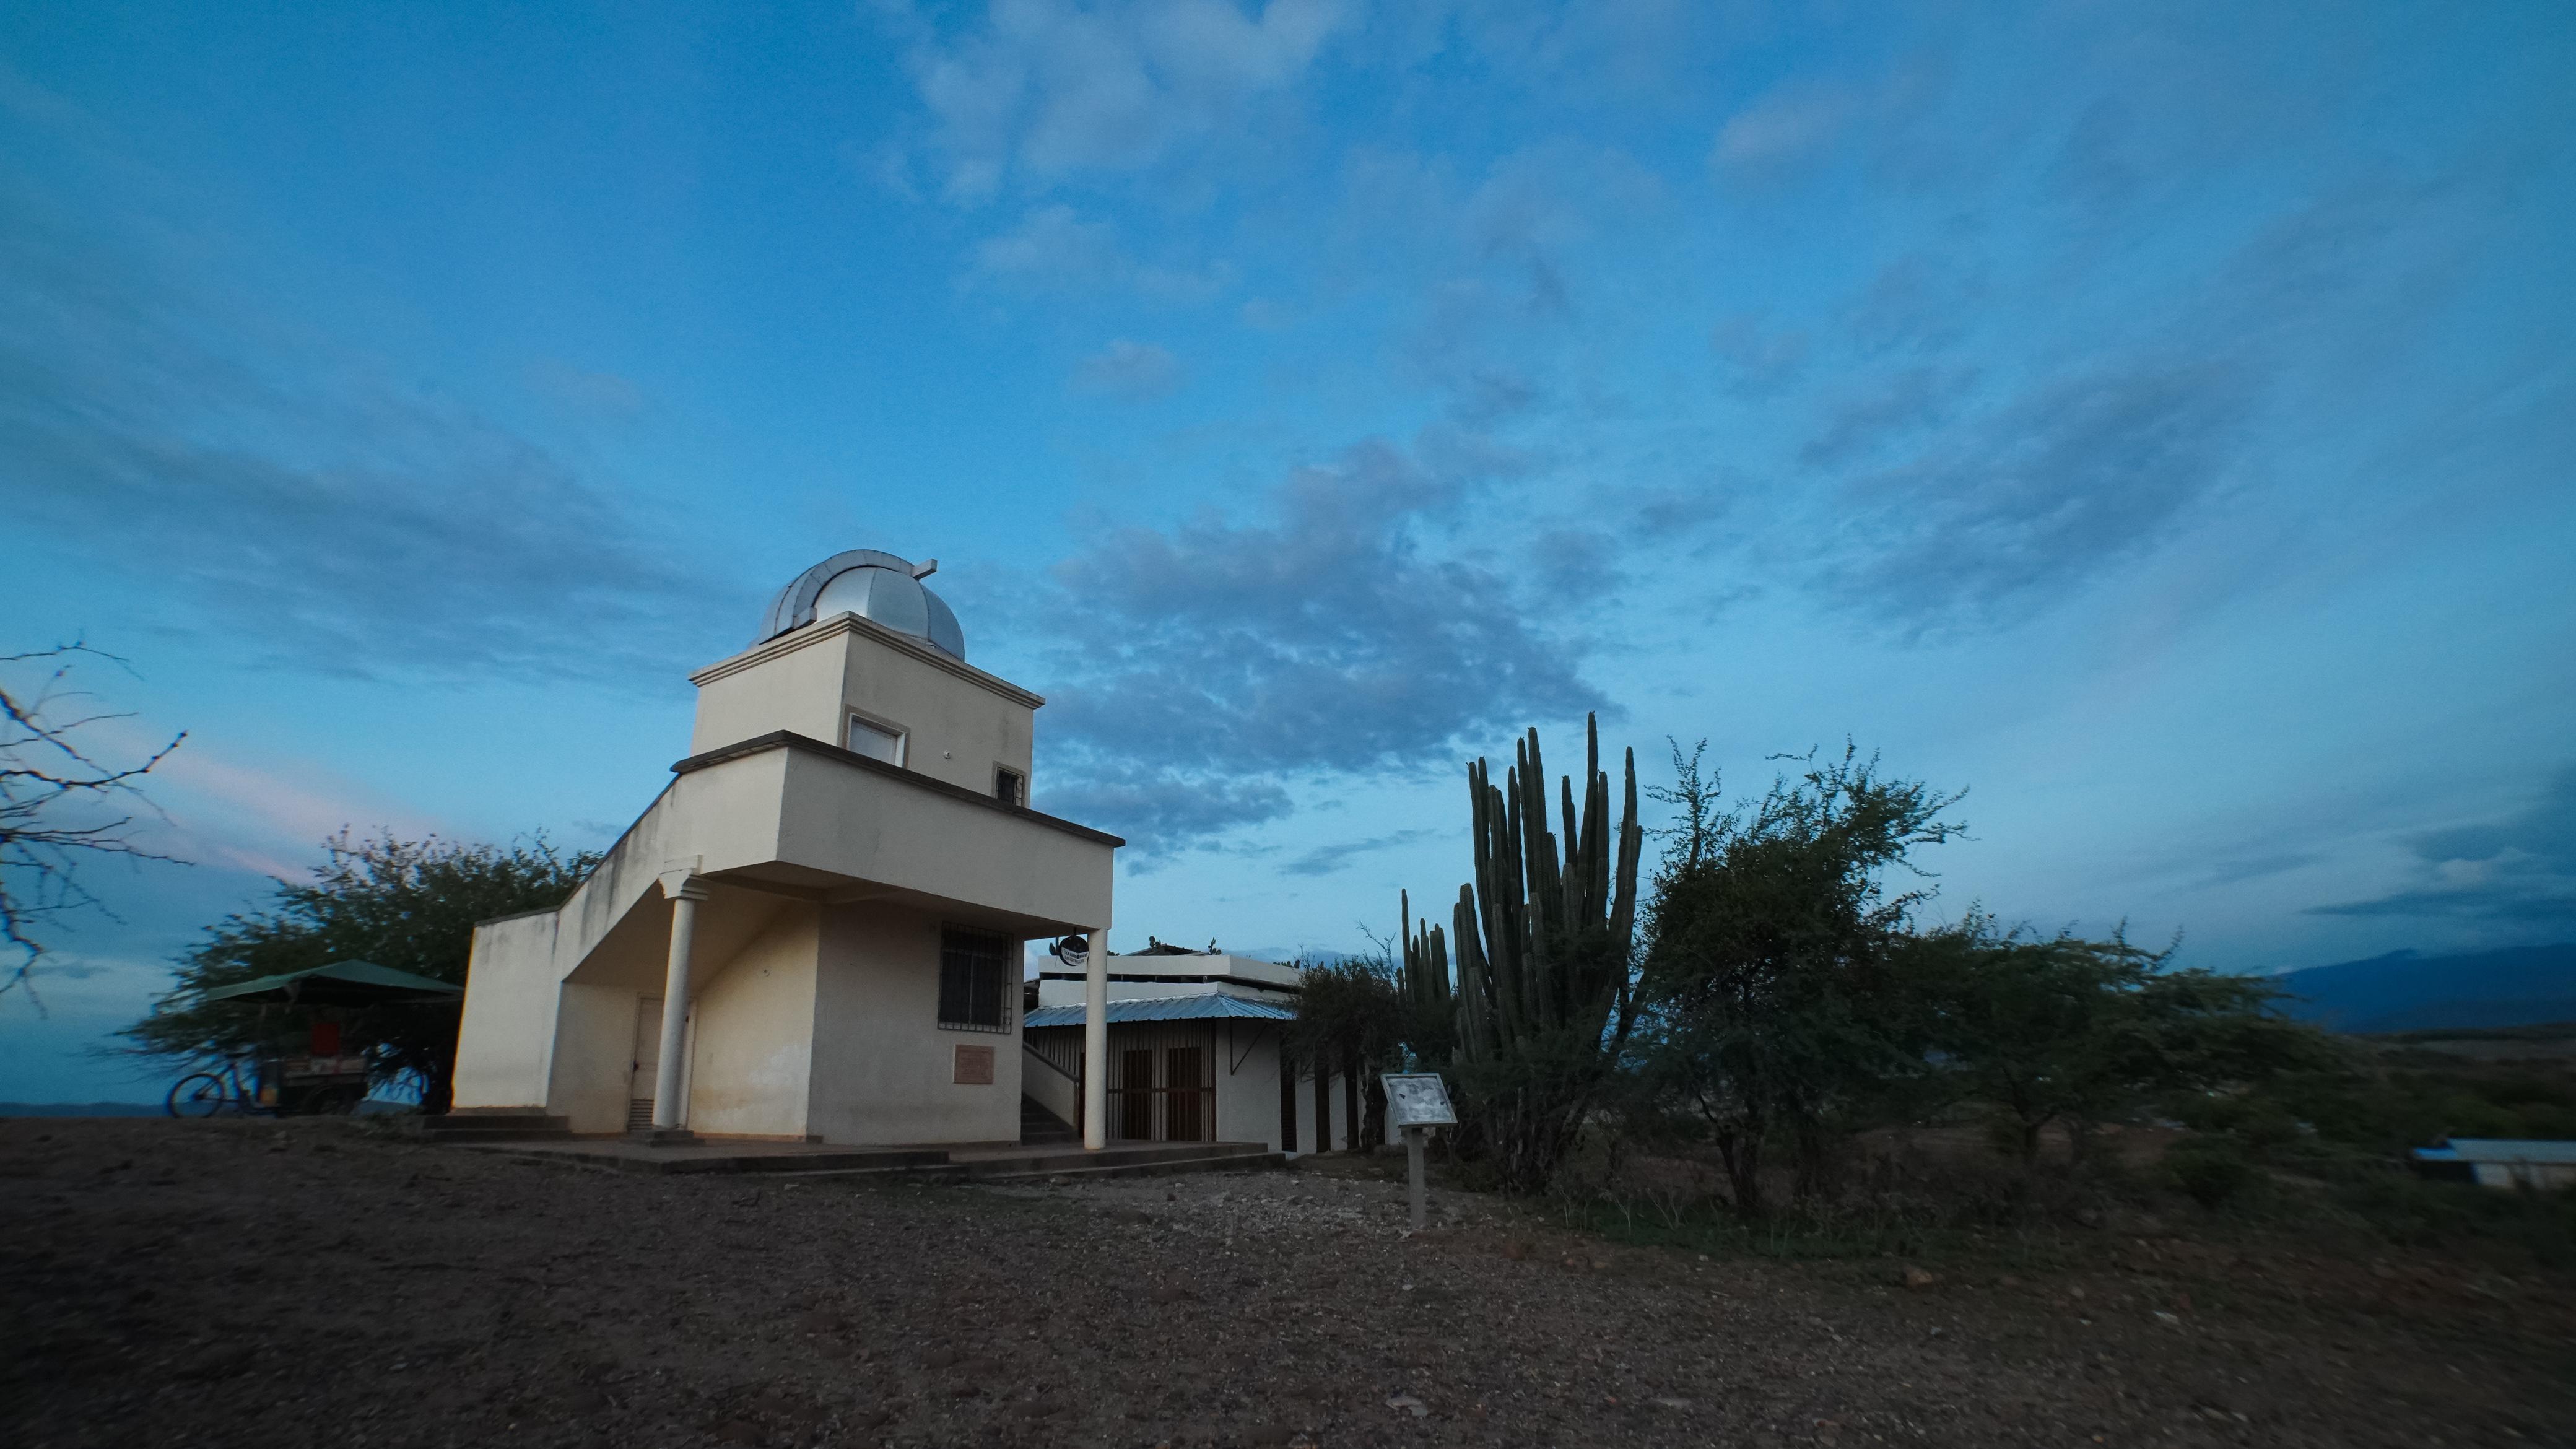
[
  {"x": 1208, "y": 662},
  {"x": 2040, "y": 494},
  {"x": 2519, "y": 871},
  {"x": 1328, "y": 859},
  {"x": 1129, "y": 370},
  {"x": 1056, "y": 249},
  {"x": 277, "y": 494},
  {"x": 1787, "y": 128},
  {"x": 1045, "y": 89}
]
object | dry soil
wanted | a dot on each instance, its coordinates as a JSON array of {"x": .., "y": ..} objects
[{"x": 311, "y": 1283}]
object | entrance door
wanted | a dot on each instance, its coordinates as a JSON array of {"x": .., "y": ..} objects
[
  {"x": 1136, "y": 1097},
  {"x": 1185, "y": 1095},
  {"x": 648, "y": 1063},
  {"x": 1287, "y": 1100}
]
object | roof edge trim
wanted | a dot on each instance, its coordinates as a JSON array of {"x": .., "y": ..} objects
[
  {"x": 839, "y": 625},
  {"x": 790, "y": 740}
]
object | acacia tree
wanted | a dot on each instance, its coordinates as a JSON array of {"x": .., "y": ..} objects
[
  {"x": 1773, "y": 997},
  {"x": 2066, "y": 1031},
  {"x": 410, "y": 905},
  {"x": 60, "y": 804},
  {"x": 1350, "y": 1014},
  {"x": 2035, "y": 1029}
]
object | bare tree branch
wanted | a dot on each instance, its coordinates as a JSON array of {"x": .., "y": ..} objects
[{"x": 60, "y": 804}]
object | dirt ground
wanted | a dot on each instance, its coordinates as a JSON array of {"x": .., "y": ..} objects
[{"x": 254, "y": 1283}]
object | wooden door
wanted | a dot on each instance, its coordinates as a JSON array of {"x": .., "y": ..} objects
[
  {"x": 647, "y": 1065},
  {"x": 1185, "y": 1095},
  {"x": 1287, "y": 1100},
  {"x": 1136, "y": 1094}
]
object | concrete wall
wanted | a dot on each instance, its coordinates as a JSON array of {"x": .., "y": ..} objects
[
  {"x": 843, "y": 819},
  {"x": 792, "y": 683},
  {"x": 1061, "y": 985},
  {"x": 957, "y": 729},
  {"x": 751, "y": 1068},
  {"x": 883, "y": 1068},
  {"x": 594, "y": 1056},
  {"x": 1050, "y": 1088},
  {"x": 1306, "y": 1139},
  {"x": 1247, "y": 1096},
  {"x": 958, "y": 721},
  {"x": 505, "y": 1038}
]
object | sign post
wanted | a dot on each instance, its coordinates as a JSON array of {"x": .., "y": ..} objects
[{"x": 1416, "y": 1102}]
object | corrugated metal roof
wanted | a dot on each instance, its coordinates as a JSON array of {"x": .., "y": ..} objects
[
  {"x": 2505, "y": 1149},
  {"x": 1215, "y": 1006}
]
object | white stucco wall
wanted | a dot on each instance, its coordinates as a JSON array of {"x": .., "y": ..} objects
[
  {"x": 1306, "y": 1139},
  {"x": 842, "y": 818},
  {"x": 751, "y": 1065},
  {"x": 1050, "y": 1088},
  {"x": 594, "y": 1056},
  {"x": 505, "y": 1037},
  {"x": 883, "y": 1068},
  {"x": 958, "y": 721},
  {"x": 1059, "y": 985},
  {"x": 1247, "y": 1096},
  {"x": 957, "y": 728}
]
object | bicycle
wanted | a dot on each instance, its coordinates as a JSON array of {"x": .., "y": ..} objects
[{"x": 204, "y": 1094}]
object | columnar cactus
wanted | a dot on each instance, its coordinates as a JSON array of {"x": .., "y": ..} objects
[{"x": 1544, "y": 931}]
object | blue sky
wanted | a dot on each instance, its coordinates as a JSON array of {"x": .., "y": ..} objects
[{"x": 2157, "y": 419}]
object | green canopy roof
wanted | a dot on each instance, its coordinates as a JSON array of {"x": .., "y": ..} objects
[{"x": 342, "y": 983}]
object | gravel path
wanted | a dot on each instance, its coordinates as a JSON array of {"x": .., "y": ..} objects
[{"x": 252, "y": 1283}]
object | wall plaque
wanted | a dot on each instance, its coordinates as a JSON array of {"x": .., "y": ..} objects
[{"x": 974, "y": 1066}]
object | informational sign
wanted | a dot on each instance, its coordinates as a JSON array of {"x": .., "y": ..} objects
[{"x": 1417, "y": 1099}]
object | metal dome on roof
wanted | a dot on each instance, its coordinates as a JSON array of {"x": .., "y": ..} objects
[{"x": 874, "y": 585}]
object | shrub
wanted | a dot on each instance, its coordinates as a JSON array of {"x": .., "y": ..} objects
[{"x": 2210, "y": 1168}]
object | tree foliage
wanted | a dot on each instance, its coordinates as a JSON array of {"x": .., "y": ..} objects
[
  {"x": 1771, "y": 971},
  {"x": 1351, "y": 1018},
  {"x": 410, "y": 905},
  {"x": 1782, "y": 996}
]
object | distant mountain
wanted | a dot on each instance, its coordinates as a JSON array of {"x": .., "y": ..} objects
[{"x": 2403, "y": 991}]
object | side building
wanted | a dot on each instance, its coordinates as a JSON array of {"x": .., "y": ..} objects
[{"x": 1197, "y": 1053}]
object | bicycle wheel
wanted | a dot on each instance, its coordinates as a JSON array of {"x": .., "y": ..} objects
[{"x": 201, "y": 1095}]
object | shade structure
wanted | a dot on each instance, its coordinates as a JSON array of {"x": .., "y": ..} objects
[{"x": 342, "y": 983}]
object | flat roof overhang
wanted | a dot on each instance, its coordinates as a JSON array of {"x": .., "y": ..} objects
[{"x": 787, "y": 814}]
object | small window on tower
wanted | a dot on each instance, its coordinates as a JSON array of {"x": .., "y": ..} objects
[
  {"x": 1010, "y": 786},
  {"x": 875, "y": 741}
]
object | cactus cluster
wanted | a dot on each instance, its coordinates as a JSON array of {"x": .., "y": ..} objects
[{"x": 1544, "y": 932}]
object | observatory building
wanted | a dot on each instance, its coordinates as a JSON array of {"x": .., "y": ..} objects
[{"x": 816, "y": 931}]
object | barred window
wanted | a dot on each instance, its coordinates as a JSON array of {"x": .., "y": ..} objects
[{"x": 974, "y": 980}]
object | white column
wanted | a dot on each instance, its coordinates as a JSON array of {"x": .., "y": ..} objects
[
  {"x": 1095, "y": 1043},
  {"x": 685, "y": 891}
]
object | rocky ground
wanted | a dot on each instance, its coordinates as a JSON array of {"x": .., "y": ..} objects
[{"x": 253, "y": 1283}]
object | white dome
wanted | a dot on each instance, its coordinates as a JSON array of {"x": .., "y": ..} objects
[
  {"x": 876, "y": 586},
  {"x": 895, "y": 600}
]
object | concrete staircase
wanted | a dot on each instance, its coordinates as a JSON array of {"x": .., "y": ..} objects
[
  {"x": 1160, "y": 1159},
  {"x": 488, "y": 1125},
  {"x": 1042, "y": 1128},
  {"x": 1136, "y": 1159}
]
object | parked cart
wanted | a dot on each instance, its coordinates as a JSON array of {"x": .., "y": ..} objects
[{"x": 322, "y": 1077}]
